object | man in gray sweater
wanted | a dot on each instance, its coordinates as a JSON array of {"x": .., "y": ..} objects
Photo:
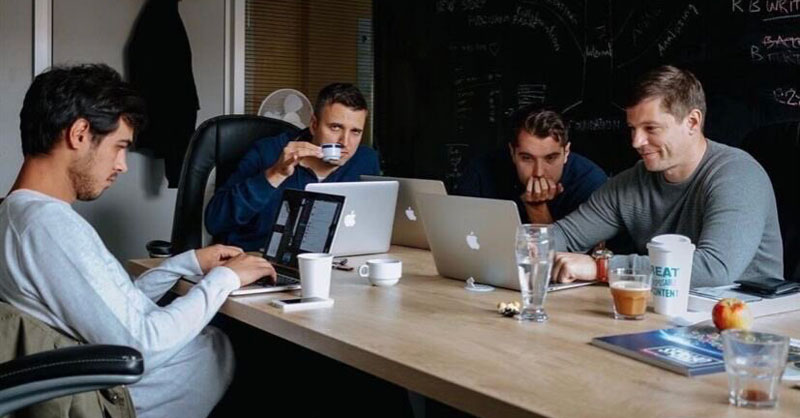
[{"x": 716, "y": 195}]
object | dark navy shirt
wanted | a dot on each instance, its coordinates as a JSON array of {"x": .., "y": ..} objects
[
  {"x": 242, "y": 211},
  {"x": 494, "y": 176}
]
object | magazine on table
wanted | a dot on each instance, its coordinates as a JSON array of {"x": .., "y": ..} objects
[{"x": 691, "y": 351}]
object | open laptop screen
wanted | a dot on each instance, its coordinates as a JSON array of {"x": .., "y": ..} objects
[{"x": 305, "y": 223}]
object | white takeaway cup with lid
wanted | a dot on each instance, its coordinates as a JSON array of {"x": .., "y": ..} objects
[{"x": 671, "y": 266}]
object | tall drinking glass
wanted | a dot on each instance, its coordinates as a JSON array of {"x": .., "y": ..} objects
[{"x": 535, "y": 255}]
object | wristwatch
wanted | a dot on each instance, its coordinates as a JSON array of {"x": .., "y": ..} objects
[{"x": 601, "y": 257}]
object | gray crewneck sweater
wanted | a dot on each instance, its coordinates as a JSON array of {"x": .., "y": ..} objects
[{"x": 726, "y": 207}]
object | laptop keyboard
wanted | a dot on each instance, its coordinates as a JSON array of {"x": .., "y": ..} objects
[{"x": 282, "y": 280}]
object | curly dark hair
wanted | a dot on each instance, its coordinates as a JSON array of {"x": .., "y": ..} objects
[
  {"x": 539, "y": 122},
  {"x": 61, "y": 95}
]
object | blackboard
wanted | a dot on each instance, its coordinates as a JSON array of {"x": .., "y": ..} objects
[{"x": 450, "y": 72}]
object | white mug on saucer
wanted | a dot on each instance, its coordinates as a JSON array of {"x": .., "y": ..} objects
[{"x": 382, "y": 271}]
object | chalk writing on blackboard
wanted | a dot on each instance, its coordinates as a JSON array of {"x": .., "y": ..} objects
[
  {"x": 494, "y": 101},
  {"x": 476, "y": 47},
  {"x": 643, "y": 24},
  {"x": 778, "y": 57},
  {"x": 787, "y": 96},
  {"x": 677, "y": 28},
  {"x": 746, "y": 6},
  {"x": 771, "y": 41},
  {"x": 783, "y": 7},
  {"x": 444, "y": 6},
  {"x": 531, "y": 94},
  {"x": 773, "y": 9},
  {"x": 523, "y": 17},
  {"x": 526, "y": 17},
  {"x": 596, "y": 124},
  {"x": 476, "y": 92},
  {"x": 777, "y": 49},
  {"x": 455, "y": 155},
  {"x": 562, "y": 10},
  {"x": 594, "y": 52}
]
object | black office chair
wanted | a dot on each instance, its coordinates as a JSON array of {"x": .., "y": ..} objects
[
  {"x": 51, "y": 374},
  {"x": 38, "y": 363},
  {"x": 219, "y": 143}
]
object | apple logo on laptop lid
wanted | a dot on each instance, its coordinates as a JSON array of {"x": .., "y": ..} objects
[
  {"x": 472, "y": 241},
  {"x": 350, "y": 219},
  {"x": 410, "y": 214}
]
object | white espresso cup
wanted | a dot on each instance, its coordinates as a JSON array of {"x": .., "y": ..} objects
[
  {"x": 671, "y": 267},
  {"x": 331, "y": 152},
  {"x": 382, "y": 271},
  {"x": 315, "y": 274}
]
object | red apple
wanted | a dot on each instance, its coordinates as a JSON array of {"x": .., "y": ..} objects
[{"x": 731, "y": 313}]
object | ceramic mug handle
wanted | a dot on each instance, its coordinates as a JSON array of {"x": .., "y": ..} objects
[{"x": 363, "y": 270}]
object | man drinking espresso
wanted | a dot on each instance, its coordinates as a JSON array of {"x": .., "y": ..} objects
[{"x": 242, "y": 210}]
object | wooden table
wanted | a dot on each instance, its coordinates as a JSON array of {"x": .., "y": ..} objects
[{"x": 430, "y": 335}]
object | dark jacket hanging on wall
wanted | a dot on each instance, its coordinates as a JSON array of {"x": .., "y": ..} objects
[{"x": 160, "y": 68}]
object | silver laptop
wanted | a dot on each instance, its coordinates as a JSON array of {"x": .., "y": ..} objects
[
  {"x": 305, "y": 223},
  {"x": 408, "y": 229},
  {"x": 367, "y": 218},
  {"x": 475, "y": 237}
]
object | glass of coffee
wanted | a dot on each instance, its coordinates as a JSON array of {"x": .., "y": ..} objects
[{"x": 630, "y": 289}]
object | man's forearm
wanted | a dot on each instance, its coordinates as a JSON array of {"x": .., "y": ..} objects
[{"x": 538, "y": 213}]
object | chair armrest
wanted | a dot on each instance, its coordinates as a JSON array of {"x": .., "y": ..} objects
[
  {"x": 51, "y": 374},
  {"x": 159, "y": 249}
]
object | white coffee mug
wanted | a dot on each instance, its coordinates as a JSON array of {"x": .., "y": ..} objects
[
  {"x": 671, "y": 266},
  {"x": 382, "y": 271},
  {"x": 315, "y": 274}
]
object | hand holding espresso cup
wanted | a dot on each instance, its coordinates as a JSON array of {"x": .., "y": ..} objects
[{"x": 291, "y": 155}]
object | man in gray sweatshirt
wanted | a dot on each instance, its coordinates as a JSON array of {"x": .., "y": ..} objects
[{"x": 716, "y": 195}]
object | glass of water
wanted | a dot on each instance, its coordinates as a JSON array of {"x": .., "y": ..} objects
[
  {"x": 754, "y": 362},
  {"x": 535, "y": 251}
]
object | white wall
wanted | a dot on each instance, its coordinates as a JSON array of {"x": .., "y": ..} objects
[
  {"x": 204, "y": 22},
  {"x": 16, "y": 66},
  {"x": 138, "y": 207}
]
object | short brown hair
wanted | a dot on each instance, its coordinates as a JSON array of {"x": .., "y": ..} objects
[
  {"x": 680, "y": 91},
  {"x": 538, "y": 122},
  {"x": 343, "y": 93}
]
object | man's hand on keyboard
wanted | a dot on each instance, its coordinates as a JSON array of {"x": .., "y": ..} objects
[
  {"x": 215, "y": 255},
  {"x": 250, "y": 268}
]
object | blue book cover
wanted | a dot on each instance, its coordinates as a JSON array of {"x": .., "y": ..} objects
[{"x": 691, "y": 351}]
